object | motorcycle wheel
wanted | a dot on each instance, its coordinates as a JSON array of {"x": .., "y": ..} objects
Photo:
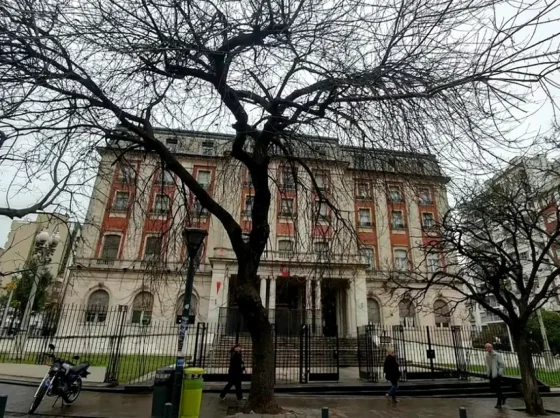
[
  {"x": 38, "y": 398},
  {"x": 73, "y": 391}
]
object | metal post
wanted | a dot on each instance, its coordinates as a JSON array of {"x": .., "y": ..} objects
[
  {"x": 3, "y": 402},
  {"x": 167, "y": 410},
  {"x": 325, "y": 412},
  {"x": 462, "y": 412},
  {"x": 547, "y": 352},
  {"x": 180, "y": 361},
  {"x": 21, "y": 337}
]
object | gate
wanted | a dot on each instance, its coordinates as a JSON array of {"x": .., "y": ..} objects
[
  {"x": 115, "y": 340},
  {"x": 373, "y": 343},
  {"x": 318, "y": 356}
]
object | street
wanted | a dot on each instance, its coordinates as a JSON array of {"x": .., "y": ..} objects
[{"x": 110, "y": 405}]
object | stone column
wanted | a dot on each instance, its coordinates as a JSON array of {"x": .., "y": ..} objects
[
  {"x": 360, "y": 298},
  {"x": 351, "y": 309},
  {"x": 218, "y": 294},
  {"x": 263, "y": 291},
  {"x": 308, "y": 302},
  {"x": 318, "y": 309},
  {"x": 272, "y": 301}
]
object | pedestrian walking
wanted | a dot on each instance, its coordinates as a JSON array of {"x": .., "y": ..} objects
[
  {"x": 392, "y": 374},
  {"x": 235, "y": 373},
  {"x": 495, "y": 371}
]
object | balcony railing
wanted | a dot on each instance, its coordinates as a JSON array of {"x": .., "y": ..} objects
[{"x": 300, "y": 257}]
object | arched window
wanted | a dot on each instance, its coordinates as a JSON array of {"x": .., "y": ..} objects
[
  {"x": 442, "y": 314},
  {"x": 374, "y": 313},
  {"x": 407, "y": 313},
  {"x": 193, "y": 309},
  {"x": 97, "y": 306},
  {"x": 142, "y": 307}
]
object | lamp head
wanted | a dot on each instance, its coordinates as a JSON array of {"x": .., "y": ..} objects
[{"x": 194, "y": 237}]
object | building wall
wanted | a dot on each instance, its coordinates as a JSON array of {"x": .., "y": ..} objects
[
  {"x": 21, "y": 242},
  {"x": 129, "y": 274}
]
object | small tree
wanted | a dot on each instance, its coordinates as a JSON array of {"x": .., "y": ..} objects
[
  {"x": 551, "y": 322},
  {"x": 500, "y": 245},
  {"x": 23, "y": 288}
]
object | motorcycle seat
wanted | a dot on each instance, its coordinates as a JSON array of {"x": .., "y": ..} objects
[{"x": 79, "y": 368}]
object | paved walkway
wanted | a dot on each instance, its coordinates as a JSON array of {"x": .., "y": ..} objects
[{"x": 109, "y": 405}]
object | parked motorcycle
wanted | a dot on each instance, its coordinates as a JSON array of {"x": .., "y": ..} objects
[{"x": 64, "y": 379}]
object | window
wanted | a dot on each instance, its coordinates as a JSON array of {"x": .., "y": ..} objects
[
  {"x": 288, "y": 180},
  {"x": 142, "y": 307},
  {"x": 161, "y": 204},
  {"x": 427, "y": 221},
  {"x": 362, "y": 191},
  {"x": 111, "y": 244},
  {"x": 365, "y": 217},
  {"x": 321, "y": 180},
  {"x": 321, "y": 151},
  {"x": 153, "y": 248},
  {"x": 127, "y": 175},
  {"x": 442, "y": 314},
  {"x": 249, "y": 200},
  {"x": 359, "y": 162},
  {"x": 197, "y": 210},
  {"x": 524, "y": 255},
  {"x": 401, "y": 260},
  {"x": 97, "y": 306},
  {"x": 168, "y": 178},
  {"x": 374, "y": 312},
  {"x": 171, "y": 141},
  {"x": 204, "y": 178},
  {"x": 248, "y": 179},
  {"x": 369, "y": 256},
  {"x": 285, "y": 247},
  {"x": 321, "y": 211},
  {"x": 207, "y": 148},
  {"x": 320, "y": 247},
  {"x": 433, "y": 262},
  {"x": 395, "y": 195},
  {"x": 397, "y": 220},
  {"x": 120, "y": 204},
  {"x": 425, "y": 197},
  {"x": 407, "y": 313},
  {"x": 286, "y": 207},
  {"x": 193, "y": 308}
]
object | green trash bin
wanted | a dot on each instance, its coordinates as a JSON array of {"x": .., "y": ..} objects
[
  {"x": 163, "y": 391},
  {"x": 191, "y": 395}
]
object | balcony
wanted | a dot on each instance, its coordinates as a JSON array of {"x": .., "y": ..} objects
[
  {"x": 295, "y": 257},
  {"x": 134, "y": 265}
]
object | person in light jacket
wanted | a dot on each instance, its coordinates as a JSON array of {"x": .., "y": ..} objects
[
  {"x": 495, "y": 371},
  {"x": 392, "y": 374}
]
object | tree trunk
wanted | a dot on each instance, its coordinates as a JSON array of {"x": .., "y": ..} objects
[
  {"x": 529, "y": 385},
  {"x": 261, "y": 395}
]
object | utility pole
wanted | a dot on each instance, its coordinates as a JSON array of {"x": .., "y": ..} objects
[{"x": 547, "y": 353}]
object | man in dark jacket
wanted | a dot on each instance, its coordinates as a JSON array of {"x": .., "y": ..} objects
[
  {"x": 235, "y": 373},
  {"x": 392, "y": 374}
]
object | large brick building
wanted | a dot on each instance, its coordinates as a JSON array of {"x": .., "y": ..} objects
[{"x": 326, "y": 265}]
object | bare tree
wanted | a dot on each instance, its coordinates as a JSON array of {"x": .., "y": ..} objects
[
  {"x": 409, "y": 75},
  {"x": 500, "y": 244}
]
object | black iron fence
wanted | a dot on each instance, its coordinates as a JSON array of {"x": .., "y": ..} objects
[
  {"x": 299, "y": 357},
  {"x": 128, "y": 347},
  {"x": 435, "y": 353}
]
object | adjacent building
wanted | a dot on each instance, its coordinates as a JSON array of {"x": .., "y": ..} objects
[
  {"x": 325, "y": 265},
  {"x": 542, "y": 176}
]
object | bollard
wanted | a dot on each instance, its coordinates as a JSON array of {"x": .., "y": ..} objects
[
  {"x": 3, "y": 402},
  {"x": 462, "y": 412},
  {"x": 325, "y": 412},
  {"x": 167, "y": 410}
]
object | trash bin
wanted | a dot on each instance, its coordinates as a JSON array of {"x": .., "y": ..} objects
[
  {"x": 163, "y": 391},
  {"x": 191, "y": 396}
]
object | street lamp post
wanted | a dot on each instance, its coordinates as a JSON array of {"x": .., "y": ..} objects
[
  {"x": 194, "y": 238},
  {"x": 45, "y": 246}
]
